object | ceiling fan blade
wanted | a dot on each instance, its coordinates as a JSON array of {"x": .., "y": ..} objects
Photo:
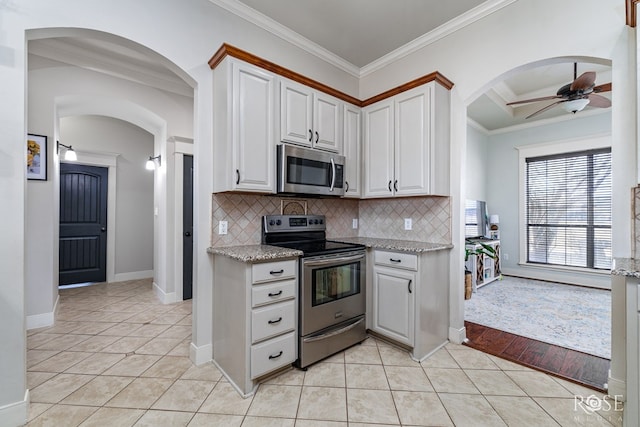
[
  {"x": 599, "y": 101},
  {"x": 585, "y": 81},
  {"x": 544, "y": 98},
  {"x": 548, "y": 107},
  {"x": 606, "y": 87}
]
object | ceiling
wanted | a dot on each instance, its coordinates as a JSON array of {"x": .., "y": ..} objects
[{"x": 341, "y": 29}]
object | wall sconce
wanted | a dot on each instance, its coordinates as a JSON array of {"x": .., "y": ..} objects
[
  {"x": 151, "y": 163},
  {"x": 70, "y": 155}
]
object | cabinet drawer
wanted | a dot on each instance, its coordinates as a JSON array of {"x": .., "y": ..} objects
[
  {"x": 272, "y": 320},
  {"x": 269, "y": 271},
  {"x": 273, "y": 292},
  {"x": 396, "y": 259},
  {"x": 273, "y": 354}
]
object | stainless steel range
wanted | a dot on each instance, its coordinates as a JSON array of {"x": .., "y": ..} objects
[{"x": 331, "y": 285}]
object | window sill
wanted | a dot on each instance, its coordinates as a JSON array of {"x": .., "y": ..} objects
[{"x": 565, "y": 269}]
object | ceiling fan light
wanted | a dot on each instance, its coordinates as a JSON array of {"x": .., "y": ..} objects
[{"x": 575, "y": 105}]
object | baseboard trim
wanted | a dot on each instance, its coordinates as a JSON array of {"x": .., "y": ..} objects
[
  {"x": 200, "y": 355},
  {"x": 165, "y": 298},
  {"x": 15, "y": 414},
  {"x": 133, "y": 275},
  {"x": 457, "y": 336},
  {"x": 616, "y": 387},
  {"x": 43, "y": 320}
]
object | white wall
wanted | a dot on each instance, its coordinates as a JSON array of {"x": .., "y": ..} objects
[
  {"x": 503, "y": 191},
  {"x": 134, "y": 198},
  {"x": 479, "y": 163}
]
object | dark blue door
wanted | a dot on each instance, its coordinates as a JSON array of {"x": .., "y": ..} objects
[
  {"x": 83, "y": 224},
  {"x": 187, "y": 218}
]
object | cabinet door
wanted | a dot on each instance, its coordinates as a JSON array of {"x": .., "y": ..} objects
[
  {"x": 378, "y": 149},
  {"x": 296, "y": 113},
  {"x": 352, "y": 150},
  {"x": 327, "y": 122},
  {"x": 393, "y": 304},
  {"x": 253, "y": 124},
  {"x": 412, "y": 141}
]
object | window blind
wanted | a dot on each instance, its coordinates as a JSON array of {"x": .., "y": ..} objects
[{"x": 568, "y": 208}]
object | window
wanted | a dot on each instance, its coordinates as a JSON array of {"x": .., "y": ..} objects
[{"x": 568, "y": 209}]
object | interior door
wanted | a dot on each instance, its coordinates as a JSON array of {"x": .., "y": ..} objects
[
  {"x": 83, "y": 224},
  {"x": 187, "y": 228}
]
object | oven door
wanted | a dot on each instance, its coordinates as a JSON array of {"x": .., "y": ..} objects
[
  {"x": 303, "y": 171},
  {"x": 332, "y": 290}
]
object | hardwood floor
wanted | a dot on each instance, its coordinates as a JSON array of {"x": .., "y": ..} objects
[{"x": 581, "y": 368}]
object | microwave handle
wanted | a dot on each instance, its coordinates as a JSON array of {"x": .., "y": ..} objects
[{"x": 333, "y": 175}]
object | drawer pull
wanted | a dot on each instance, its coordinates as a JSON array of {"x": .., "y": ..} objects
[
  {"x": 395, "y": 260},
  {"x": 275, "y": 294},
  {"x": 274, "y": 272},
  {"x": 273, "y": 322},
  {"x": 275, "y": 356}
]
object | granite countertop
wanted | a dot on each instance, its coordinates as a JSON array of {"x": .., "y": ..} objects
[
  {"x": 628, "y": 267},
  {"x": 254, "y": 253},
  {"x": 395, "y": 245}
]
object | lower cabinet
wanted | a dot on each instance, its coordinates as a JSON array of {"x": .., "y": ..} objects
[
  {"x": 409, "y": 301},
  {"x": 254, "y": 319},
  {"x": 632, "y": 404},
  {"x": 393, "y": 303}
]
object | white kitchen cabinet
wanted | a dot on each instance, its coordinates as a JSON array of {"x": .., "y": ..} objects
[
  {"x": 352, "y": 150},
  {"x": 309, "y": 117},
  {"x": 255, "y": 317},
  {"x": 406, "y": 144},
  {"x": 632, "y": 405},
  {"x": 244, "y": 127},
  {"x": 393, "y": 303},
  {"x": 409, "y": 299}
]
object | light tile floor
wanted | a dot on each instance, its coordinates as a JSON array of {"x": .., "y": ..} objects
[{"x": 118, "y": 357}]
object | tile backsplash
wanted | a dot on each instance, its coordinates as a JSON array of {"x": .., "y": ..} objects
[{"x": 381, "y": 218}]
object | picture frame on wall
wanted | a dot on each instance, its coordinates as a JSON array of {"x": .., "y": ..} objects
[{"x": 36, "y": 157}]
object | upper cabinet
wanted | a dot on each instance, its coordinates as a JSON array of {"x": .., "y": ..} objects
[
  {"x": 309, "y": 117},
  {"x": 244, "y": 134},
  {"x": 352, "y": 150},
  {"x": 406, "y": 144}
]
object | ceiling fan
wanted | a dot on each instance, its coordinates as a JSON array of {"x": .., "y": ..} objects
[{"x": 575, "y": 96}]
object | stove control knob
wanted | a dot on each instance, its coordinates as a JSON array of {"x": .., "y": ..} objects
[
  {"x": 321, "y": 221},
  {"x": 278, "y": 222},
  {"x": 272, "y": 222}
]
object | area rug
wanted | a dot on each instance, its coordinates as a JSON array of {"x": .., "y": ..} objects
[{"x": 574, "y": 317}]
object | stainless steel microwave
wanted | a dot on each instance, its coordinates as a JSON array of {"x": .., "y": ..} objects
[{"x": 304, "y": 171}]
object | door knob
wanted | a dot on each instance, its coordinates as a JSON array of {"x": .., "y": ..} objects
[
  {"x": 103, "y": 229},
  {"x": 187, "y": 233}
]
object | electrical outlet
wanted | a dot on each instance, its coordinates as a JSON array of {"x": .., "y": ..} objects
[
  {"x": 408, "y": 224},
  {"x": 222, "y": 227},
  {"x": 354, "y": 223},
  {"x": 506, "y": 257}
]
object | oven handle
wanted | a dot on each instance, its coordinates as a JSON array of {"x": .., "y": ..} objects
[
  {"x": 328, "y": 261},
  {"x": 333, "y": 333}
]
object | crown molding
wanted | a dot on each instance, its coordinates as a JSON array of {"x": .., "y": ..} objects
[
  {"x": 550, "y": 121},
  {"x": 279, "y": 30},
  {"x": 444, "y": 30},
  {"x": 472, "y": 123},
  {"x": 253, "y": 16}
]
